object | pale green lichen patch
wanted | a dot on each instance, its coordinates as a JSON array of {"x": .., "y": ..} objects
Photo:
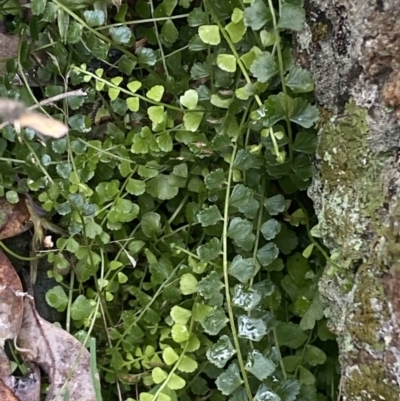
[
  {"x": 349, "y": 184},
  {"x": 349, "y": 196},
  {"x": 368, "y": 311}
]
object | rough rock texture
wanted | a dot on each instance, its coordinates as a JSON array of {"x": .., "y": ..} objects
[{"x": 352, "y": 48}]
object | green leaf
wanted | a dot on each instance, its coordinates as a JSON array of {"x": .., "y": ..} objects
[
  {"x": 289, "y": 389},
  {"x": 156, "y": 114},
  {"x": 314, "y": 313},
  {"x": 314, "y": 355},
  {"x": 57, "y": 298},
  {"x": 176, "y": 382},
  {"x": 94, "y": 17},
  {"x": 209, "y": 285},
  {"x": 270, "y": 229},
  {"x": 180, "y": 315},
  {"x": 151, "y": 225},
  {"x": 180, "y": 333},
  {"x": 299, "y": 80},
  {"x": 305, "y": 142},
  {"x": 188, "y": 284},
  {"x": 236, "y": 31},
  {"x": 241, "y": 196},
  {"x": 220, "y": 102},
  {"x": 286, "y": 240},
  {"x": 38, "y": 6},
  {"x": 113, "y": 93},
  {"x": 133, "y": 86},
  {"x": 200, "y": 70},
  {"x": 275, "y": 205},
  {"x": 237, "y": 15},
  {"x": 170, "y": 356},
  {"x": 215, "y": 179},
  {"x": 242, "y": 269},
  {"x": 215, "y": 321},
  {"x": 306, "y": 377},
  {"x": 126, "y": 64},
  {"x": 200, "y": 311},
  {"x": 82, "y": 308},
  {"x": 253, "y": 329},
  {"x": 245, "y": 298},
  {"x": 146, "y": 396},
  {"x": 292, "y": 17},
  {"x": 292, "y": 362},
  {"x": 267, "y": 254},
  {"x": 192, "y": 120},
  {"x": 146, "y": 56},
  {"x": 244, "y": 160},
  {"x": 189, "y": 99},
  {"x": 164, "y": 142},
  {"x": 12, "y": 197},
  {"x": 220, "y": 353},
  {"x": 227, "y": 62},
  {"x": 290, "y": 335},
  {"x": 267, "y": 38},
  {"x": 158, "y": 375},
  {"x": 155, "y": 93},
  {"x": 265, "y": 393},
  {"x": 260, "y": 366},
  {"x": 187, "y": 364},
  {"x": 135, "y": 187},
  {"x": 169, "y": 32},
  {"x": 298, "y": 268},
  {"x": 209, "y": 251},
  {"x": 209, "y": 216},
  {"x": 121, "y": 35},
  {"x": 229, "y": 380},
  {"x": 160, "y": 187},
  {"x": 240, "y": 230},
  {"x": 257, "y": 15},
  {"x": 64, "y": 170},
  {"x": 303, "y": 113},
  {"x": 74, "y": 34},
  {"x": 264, "y": 67},
  {"x": 210, "y": 34},
  {"x": 50, "y": 12},
  {"x": 133, "y": 103},
  {"x": 197, "y": 17}
]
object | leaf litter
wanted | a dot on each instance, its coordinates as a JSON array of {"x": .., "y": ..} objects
[{"x": 42, "y": 345}]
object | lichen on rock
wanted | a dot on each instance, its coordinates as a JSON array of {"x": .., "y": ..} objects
[{"x": 352, "y": 49}]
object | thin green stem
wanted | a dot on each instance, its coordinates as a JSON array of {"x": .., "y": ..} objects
[
  {"x": 281, "y": 73},
  {"x": 94, "y": 31},
  {"x": 15, "y": 255},
  {"x": 126, "y": 91},
  {"x": 226, "y": 276},
  {"x": 160, "y": 46},
  {"x": 143, "y": 21}
]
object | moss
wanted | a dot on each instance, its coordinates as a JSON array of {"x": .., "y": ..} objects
[
  {"x": 350, "y": 184},
  {"x": 368, "y": 381},
  {"x": 370, "y": 311},
  {"x": 319, "y": 31}
]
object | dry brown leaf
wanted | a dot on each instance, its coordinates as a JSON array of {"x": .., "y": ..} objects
[
  {"x": 26, "y": 388},
  {"x": 6, "y": 394},
  {"x": 17, "y": 113},
  {"x": 14, "y": 219},
  {"x": 11, "y": 300},
  {"x": 59, "y": 354}
]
